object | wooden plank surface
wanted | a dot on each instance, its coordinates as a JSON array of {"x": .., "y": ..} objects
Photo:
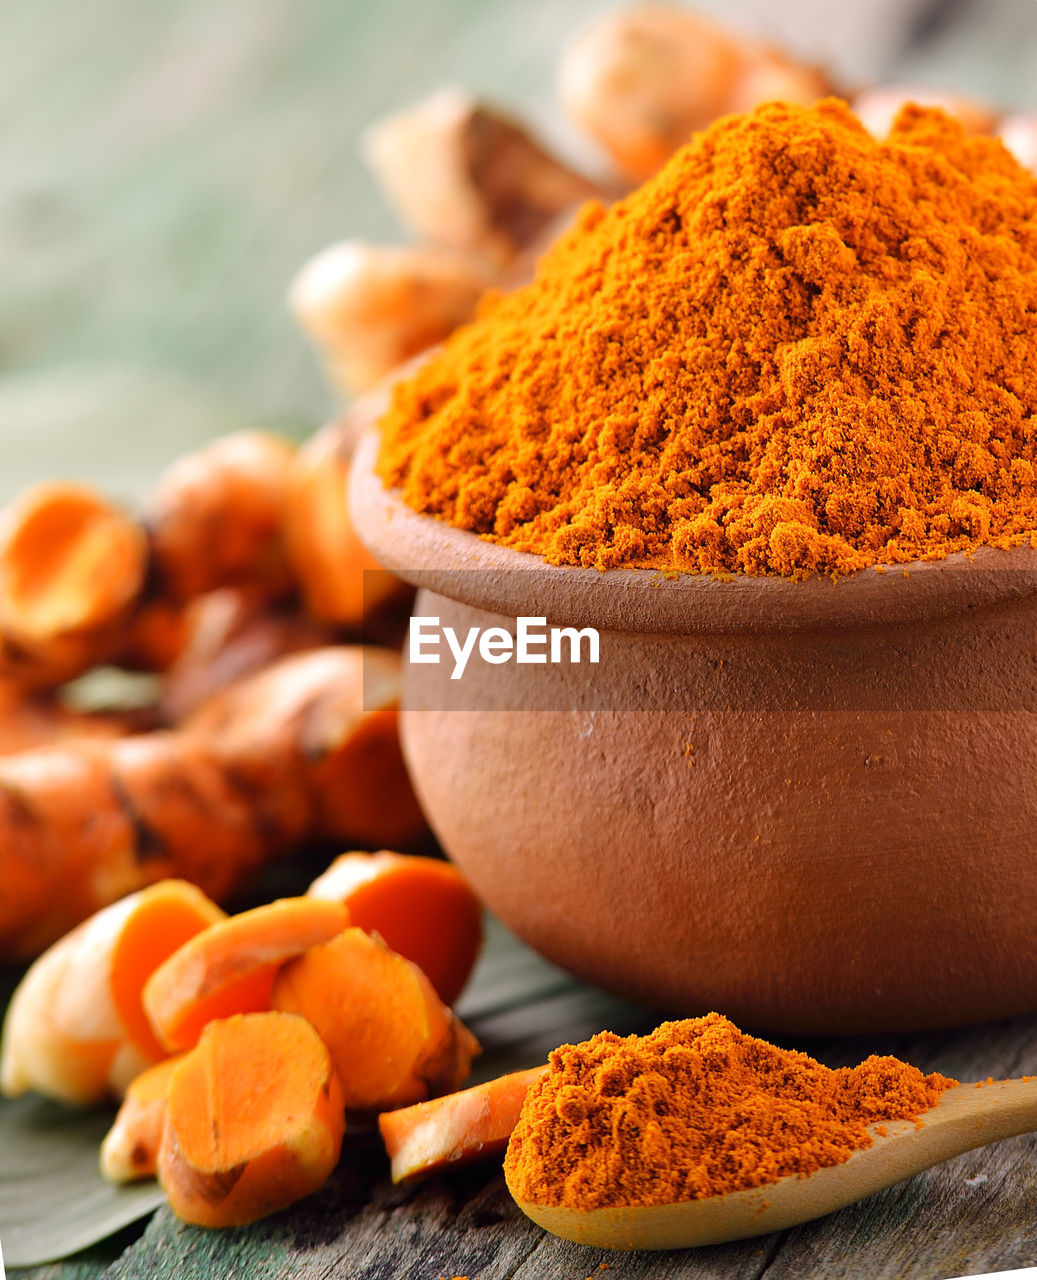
[{"x": 163, "y": 171}]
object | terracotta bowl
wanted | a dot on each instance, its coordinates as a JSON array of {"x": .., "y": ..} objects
[{"x": 812, "y": 806}]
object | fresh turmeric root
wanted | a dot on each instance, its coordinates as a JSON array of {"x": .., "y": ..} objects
[
  {"x": 230, "y": 967},
  {"x": 72, "y": 567},
  {"x": 421, "y": 907},
  {"x": 369, "y": 308},
  {"x": 228, "y": 635},
  {"x": 474, "y": 1124},
  {"x": 254, "y": 1121},
  {"x": 29, "y": 720},
  {"x": 75, "y": 1028},
  {"x": 335, "y": 715},
  {"x": 391, "y": 1039},
  {"x": 340, "y": 581},
  {"x": 287, "y": 754},
  {"x": 465, "y": 177},
  {"x": 217, "y": 517},
  {"x": 129, "y": 1150},
  {"x": 643, "y": 79}
]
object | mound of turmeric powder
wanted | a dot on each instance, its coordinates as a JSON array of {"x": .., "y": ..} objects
[
  {"x": 696, "y": 1109},
  {"x": 795, "y": 349}
]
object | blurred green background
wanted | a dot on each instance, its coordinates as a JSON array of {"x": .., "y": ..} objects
[{"x": 166, "y": 167}]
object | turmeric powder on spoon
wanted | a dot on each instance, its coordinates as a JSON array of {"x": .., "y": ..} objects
[
  {"x": 796, "y": 349},
  {"x": 696, "y": 1109}
]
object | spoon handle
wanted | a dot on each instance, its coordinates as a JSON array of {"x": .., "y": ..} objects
[{"x": 971, "y": 1115}]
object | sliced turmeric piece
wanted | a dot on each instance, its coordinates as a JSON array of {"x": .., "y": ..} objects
[
  {"x": 229, "y": 968},
  {"x": 75, "y": 1029},
  {"x": 391, "y": 1038},
  {"x": 72, "y": 566},
  {"x": 169, "y": 915},
  {"x": 129, "y": 1150},
  {"x": 254, "y": 1121},
  {"x": 443, "y": 1133},
  {"x": 217, "y": 514},
  {"x": 422, "y": 907}
]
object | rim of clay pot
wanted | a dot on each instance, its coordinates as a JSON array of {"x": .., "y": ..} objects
[{"x": 462, "y": 566}]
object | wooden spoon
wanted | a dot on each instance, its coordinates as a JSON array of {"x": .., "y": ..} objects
[{"x": 966, "y": 1116}]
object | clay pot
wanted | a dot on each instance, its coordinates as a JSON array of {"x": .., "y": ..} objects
[{"x": 811, "y": 806}]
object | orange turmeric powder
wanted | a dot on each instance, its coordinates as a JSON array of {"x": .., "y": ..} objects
[
  {"x": 795, "y": 349},
  {"x": 696, "y": 1109}
]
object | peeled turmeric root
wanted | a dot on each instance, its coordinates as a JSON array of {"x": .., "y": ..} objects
[
  {"x": 422, "y": 908},
  {"x": 254, "y": 1121},
  {"x": 75, "y": 1028},
  {"x": 278, "y": 757},
  {"x": 457, "y": 1129},
  {"x": 230, "y": 967},
  {"x": 130, "y": 1147},
  {"x": 391, "y": 1039},
  {"x": 72, "y": 566}
]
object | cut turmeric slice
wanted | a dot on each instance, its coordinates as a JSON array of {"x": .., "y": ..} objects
[
  {"x": 422, "y": 907},
  {"x": 72, "y": 566},
  {"x": 391, "y": 1038},
  {"x": 130, "y": 1147},
  {"x": 473, "y": 1124},
  {"x": 75, "y": 1028},
  {"x": 171, "y": 913},
  {"x": 230, "y": 967},
  {"x": 254, "y": 1121}
]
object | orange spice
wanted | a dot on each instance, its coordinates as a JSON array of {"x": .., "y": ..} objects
[
  {"x": 795, "y": 349},
  {"x": 696, "y": 1109}
]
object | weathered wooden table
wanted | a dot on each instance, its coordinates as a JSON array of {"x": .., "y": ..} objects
[{"x": 163, "y": 171}]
